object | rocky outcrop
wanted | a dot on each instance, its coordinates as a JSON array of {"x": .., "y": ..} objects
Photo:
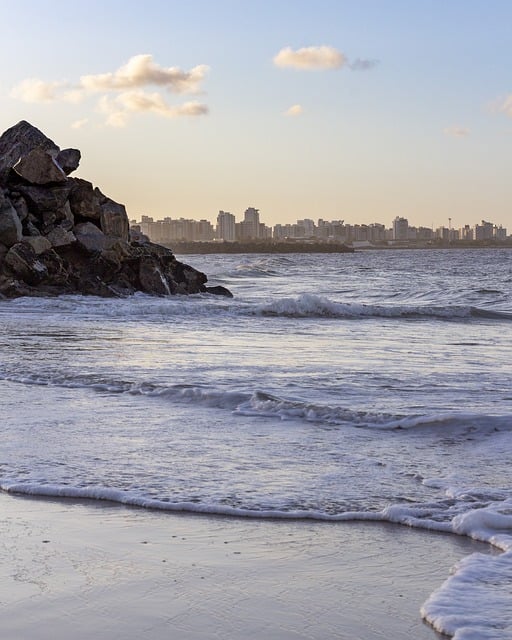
[{"x": 60, "y": 234}]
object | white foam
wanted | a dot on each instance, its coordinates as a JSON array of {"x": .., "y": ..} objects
[{"x": 474, "y": 603}]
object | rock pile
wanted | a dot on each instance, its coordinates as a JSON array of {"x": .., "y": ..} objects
[{"x": 60, "y": 234}]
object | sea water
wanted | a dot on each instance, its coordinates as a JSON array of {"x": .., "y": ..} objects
[{"x": 373, "y": 385}]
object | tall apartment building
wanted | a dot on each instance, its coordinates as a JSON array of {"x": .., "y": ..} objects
[
  {"x": 226, "y": 226},
  {"x": 466, "y": 233},
  {"x": 250, "y": 227},
  {"x": 484, "y": 231},
  {"x": 400, "y": 228},
  {"x": 308, "y": 226}
]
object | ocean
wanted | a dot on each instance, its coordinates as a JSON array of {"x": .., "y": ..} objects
[{"x": 366, "y": 386}]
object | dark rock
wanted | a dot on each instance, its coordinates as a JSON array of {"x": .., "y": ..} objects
[
  {"x": 39, "y": 167},
  {"x": 19, "y": 203},
  {"x": 219, "y": 291},
  {"x": 114, "y": 219},
  {"x": 19, "y": 140},
  {"x": 84, "y": 200},
  {"x": 45, "y": 198},
  {"x": 59, "y": 237},
  {"x": 10, "y": 225},
  {"x": 29, "y": 228},
  {"x": 63, "y": 235},
  {"x": 151, "y": 278},
  {"x": 39, "y": 244},
  {"x": 90, "y": 237},
  {"x": 22, "y": 261},
  {"x": 68, "y": 160}
]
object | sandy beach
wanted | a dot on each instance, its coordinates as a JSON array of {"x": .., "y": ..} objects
[{"x": 96, "y": 570}]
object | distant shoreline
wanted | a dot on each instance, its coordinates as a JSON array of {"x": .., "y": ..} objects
[
  {"x": 315, "y": 247},
  {"x": 257, "y": 247}
]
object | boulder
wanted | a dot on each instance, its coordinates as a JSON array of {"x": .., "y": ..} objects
[
  {"x": 39, "y": 167},
  {"x": 151, "y": 278},
  {"x": 114, "y": 219},
  {"x": 68, "y": 160},
  {"x": 59, "y": 237},
  {"x": 17, "y": 142},
  {"x": 10, "y": 226},
  {"x": 19, "y": 203},
  {"x": 84, "y": 199},
  {"x": 90, "y": 237},
  {"x": 45, "y": 198},
  {"x": 63, "y": 235},
  {"x": 219, "y": 290},
  {"x": 40, "y": 244},
  {"x": 23, "y": 263}
]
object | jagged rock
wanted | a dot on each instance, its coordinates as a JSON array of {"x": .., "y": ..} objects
[
  {"x": 39, "y": 167},
  {"x": 19, "y": 203},
  {"x": 29, "y": 227},
  {"x": 84, "y": 199},
  {"x": 219, "y": 290},
  {"x": 152, "y": 279},
  {"x": 59, "y": 237},
  {"x": 114, "y": 219},
  {"x": 23, "y": 262},
  {"x": 90, "y": 237},
  {"x": 10, "y": 225},
  {"x": 19, "y": 140},
  {"x": 45, "y": 198},
  {"x": 63, "y": 235},
  {"x": 68, "y": 160},
  {"x": 40, "y": 244}
]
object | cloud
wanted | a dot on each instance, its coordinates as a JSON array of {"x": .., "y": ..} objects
[
  {"x": 310, "y": 58},
  {"x": 142, "y": 71},
  {"x": 123, "y": 90},
  {"x": 34, "y": 90},
  {"x": 78, "y": 124},
  {"x": 118, "y": 109},
  {"x": 505, "y": 106},
  {"x": 294, "y": 110},
  {"x": 456, "y": 132},
  {"x": 360, "y": 64}
]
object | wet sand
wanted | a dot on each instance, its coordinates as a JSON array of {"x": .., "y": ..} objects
[{"x": 87, "y": 570}]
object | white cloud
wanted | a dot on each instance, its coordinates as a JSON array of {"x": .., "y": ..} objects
[
  {"x": 122, "y": 90},
  {"x": 78, "y": 124},
  {"x": 505, "y": 106},
  {"x": 118, "y": 109},
  {"x": 142, "y": 71},
  {"x": 310, "y": 58},
  {"x": 294, "y": 110},
  {"x": 456, "y": 132},
  {"x": 34, "y": 90}
]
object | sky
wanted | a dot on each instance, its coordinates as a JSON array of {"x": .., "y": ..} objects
[{"x": 358, "y": 111}]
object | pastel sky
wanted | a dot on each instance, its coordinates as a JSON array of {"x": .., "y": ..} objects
[{"x": 360, "y": 110}]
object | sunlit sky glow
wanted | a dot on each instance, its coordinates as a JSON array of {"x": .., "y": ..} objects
[{"x": 359, "y": 111}]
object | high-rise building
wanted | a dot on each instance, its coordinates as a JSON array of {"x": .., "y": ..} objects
[
  {"x": 484, "y": 231},
  {"x": 400, "y": 228},
  {"x": 252, "y": 223},
  {"x": 226, "y": 226}
]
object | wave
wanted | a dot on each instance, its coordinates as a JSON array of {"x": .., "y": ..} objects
[
  {"x": 303, "y": 306},
  {"x": 474, "y": 602},
  {"x": 261, "y": 404},
  {"x": 314, "y": 306}
]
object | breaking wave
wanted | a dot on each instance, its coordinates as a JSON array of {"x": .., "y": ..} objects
[
  {"x": 203, "y": 305},
  {"x": 265, "y": 405}
]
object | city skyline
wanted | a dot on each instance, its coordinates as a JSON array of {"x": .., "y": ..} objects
[
  {"x": 340, "y": 110},
  {"x": 251, "y": 227}
]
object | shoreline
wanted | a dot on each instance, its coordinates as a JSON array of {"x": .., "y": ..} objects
[
  {"x": 234, "y": 248},
  {"x": 94, "y": 569}
]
